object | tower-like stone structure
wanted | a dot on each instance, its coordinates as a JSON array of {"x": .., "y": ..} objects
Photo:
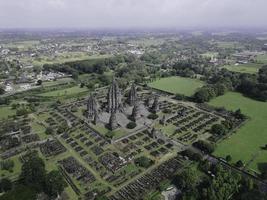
[
  {"x": 136, "y": 113},
  {"x": 92, "y": 108},
  {"x": 132, "y": 96},
  {"x": 113, "y": 124},
  {"x": 114, "y": 97},
  {"x": 155, "y": 106}
]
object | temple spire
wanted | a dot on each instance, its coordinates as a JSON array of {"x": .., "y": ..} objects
[
  {"x": 114, "y": 97},
  {"x": 132, "y": 96}
]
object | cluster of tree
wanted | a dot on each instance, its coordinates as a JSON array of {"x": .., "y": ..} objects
[
  {"x": 131, "y": 125},
  {"x": 255, "y": 88},
  {"x": 221, "y": 184},
  {"x": 218, "y": 129},
  {"x": 2, "y": 90},
  {"x": 207, "y": 92},
  {"x": 193, "y": 66},
  {"x": 98, "y": 66},
  {"x": 143, "y": 162},
  {"x": 205, "y": 146},
  {"x": 220, "y": 81},
  {"x": 7, "y": 165},
  {"x": 5, "y": 185},
  {"x": 192, "y": 155},
  {"x": 24, "y": 109},
  {"x": 34, "y": 176}
]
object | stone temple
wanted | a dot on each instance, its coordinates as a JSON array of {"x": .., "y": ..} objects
[
  {"x": 115, "y": 110},
  {"x": 92, "y": 107},
  {"x": 132, "y": 96},
  {"x": 114, "y": 97}
]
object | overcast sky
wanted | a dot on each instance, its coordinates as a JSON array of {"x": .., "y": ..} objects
[{"x": 132, "y": 13}]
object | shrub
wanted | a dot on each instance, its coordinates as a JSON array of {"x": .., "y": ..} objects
[
  {"x": 205, "y": 146},
  {"x": 144, "y": 162},
  {"x": 131, "y": 125},
  {"x": 152, "y": 116},
  {"x": 218, "y": 129},
  {"x": 239, "y": 164}
]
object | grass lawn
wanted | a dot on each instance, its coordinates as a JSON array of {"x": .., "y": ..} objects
[
  {"x": 168, "y": 129},
  {"x": 225, "y": 44},
  {"x": 6, "y": 111},
  {"x": 176, "y": 84},
  {"x": 210, "y": 54},
  {"x": 250, "y": 68},
  {"x": 63, "y": 92},
  {"x": 247, "y": 142},
  {"x": 119, "y": 133},
  {"x": 57, "y": 82},
  {"x": 262, "y": 58},
  {"x": 16, "y": 170}
]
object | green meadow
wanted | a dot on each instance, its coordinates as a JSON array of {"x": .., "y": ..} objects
[
  {"x": 246, "y": 143},
  {"x": 176, "y": 84},
  {"x": 64, "y": 92},
  {"x": 250, "y": 68}
]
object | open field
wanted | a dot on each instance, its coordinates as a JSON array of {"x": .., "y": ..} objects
[
  {"x": 262, "y": 58},
  {"x": 6, "y": 111},
  {"x": 250, "y": 68},
  {"x": 57, "y": 82},
  {"x": 64, "y": 92},
  {"x": 247, "y": 142},
  {"x": 210, "y": 54},
  {"x": 176, "y": 84},
  {"x": 227, "y": 44}
]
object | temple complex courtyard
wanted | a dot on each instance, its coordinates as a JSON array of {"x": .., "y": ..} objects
[{"x": 115, "y": 142}]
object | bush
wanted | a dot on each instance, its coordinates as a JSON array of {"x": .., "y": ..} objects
[
  {"x": 5, "y": 185},
  {"x": 131, "y": 125},
  {"x": 110, "y": 134},
  {"x": 192, "y": 155},
  {"x": 239, "y": 164},
  {"x": 49, "y": 131},
  {"x": 144, "y": 162},
  {"x": 7, "y": 165},
  {"x": 228, "y": 158},
  {"x": 218, "y": 129},
  {"x": 180, "y": 97},
  {"x": 205, "y": 146},
  {"x": 152, "y": 116}
]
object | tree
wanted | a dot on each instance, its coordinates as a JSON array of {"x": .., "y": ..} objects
[
  {"x": 131, "y": 125},
  {"x": 218, "y": 129},
  {"x": 239, "y": 164},
  {"x": 54, "y": 183},
  {"x": 187, "y": 179},
  {"x": 2, "y": 89},
  {"x": 205, "y": 146},
  {"x": 49, "y": 130},
  {"x": 5, "y": 185},
  {"x": 144, "y": 161},
  {"x": 39, "y": 82},
  {"x": 33, "y": 171},
  {"x": 228, "y": 158}
]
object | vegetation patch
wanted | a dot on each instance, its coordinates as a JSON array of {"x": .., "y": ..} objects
[
  {"x": 176, "y": 84},
  {"x": 247, "y": 143}
]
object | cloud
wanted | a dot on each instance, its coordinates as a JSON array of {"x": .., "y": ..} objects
[{"x": 132, "y": 13}]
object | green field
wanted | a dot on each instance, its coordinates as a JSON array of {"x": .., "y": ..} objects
[
  {"x": 262, "y": 58},
  {"x": 57, "y": 82},
  {"x": 247, "y": 142},
  {"x": 176, "y": 84},
  {"x": 250, "y": 68},
  {"x": 210, "y": 54},
  {"x": 6, "y": 111},
  {"x": 225, "y": 44},
  {"x": 63, "y": 92}
]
